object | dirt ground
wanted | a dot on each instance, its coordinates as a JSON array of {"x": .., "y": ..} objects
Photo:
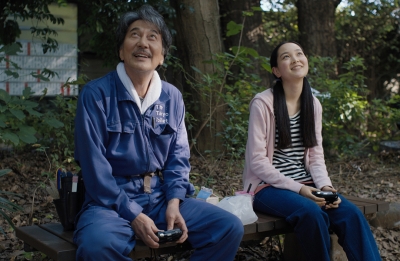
[{"x": 376, "y": 179}]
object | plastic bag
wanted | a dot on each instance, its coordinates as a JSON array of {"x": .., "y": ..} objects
[{"x": 241, "y": 206}]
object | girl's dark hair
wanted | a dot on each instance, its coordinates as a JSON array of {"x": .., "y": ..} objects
[
  {"x": 145, "y": 13},
  {"x": 307, "y": 121}
]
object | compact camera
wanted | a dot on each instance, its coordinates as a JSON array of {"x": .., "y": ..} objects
[
  {"x": 169, "y": 235},
  {"x": 329, "y": 196}
]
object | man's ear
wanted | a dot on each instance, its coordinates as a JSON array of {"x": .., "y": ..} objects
[
  {"x": 276, "y": 72},
  {"x": 120, "y": 55}
]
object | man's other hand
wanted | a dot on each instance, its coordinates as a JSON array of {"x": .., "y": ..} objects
[
  {"x": 146, "y": 230},
  {"x": 174, "y": 219}
]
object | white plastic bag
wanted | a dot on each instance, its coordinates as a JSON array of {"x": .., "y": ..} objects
[{"x": 241, "y": 206}]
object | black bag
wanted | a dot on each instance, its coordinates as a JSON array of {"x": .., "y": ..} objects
[{"x": 71, "y": 198}]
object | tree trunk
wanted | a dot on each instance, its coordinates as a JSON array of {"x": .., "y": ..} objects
[
  {"x": 316, "y": 20},
  {"x": 253, "y": 34},
  {"x": 198, "y": 38}
]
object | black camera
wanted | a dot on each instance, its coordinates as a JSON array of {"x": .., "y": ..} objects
[
  {"x": 169, "y": 235},
  {"x": 329, "y": 196}
]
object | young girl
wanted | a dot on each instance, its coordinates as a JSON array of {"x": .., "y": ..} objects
[{"x": 285, "y": 163}]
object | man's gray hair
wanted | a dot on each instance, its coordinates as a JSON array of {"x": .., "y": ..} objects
[{"x": 145, "y": 13}]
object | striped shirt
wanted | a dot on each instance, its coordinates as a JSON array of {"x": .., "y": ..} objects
[{"x": 290, "y": 161}]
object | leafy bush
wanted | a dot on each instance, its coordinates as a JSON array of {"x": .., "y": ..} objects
[
  {"x": 239, "y": 90},
  {"x": 350, "y": 121},
  {"x": 55, "y": 129},
  {"x": 58, "y": 140},
  {"x": 21, "y": 10},
  {"x": 18, "y": 112},
  {"x": 15, "y": 112},
  {"x": 231, "y": 87},
  {"x": 7, "y": 206},
  {"x": 26, "y": 119},
  {"x": 234, "y": 91}
]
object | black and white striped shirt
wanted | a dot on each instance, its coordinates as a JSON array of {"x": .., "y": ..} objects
[{"x": 290, "y": 161}]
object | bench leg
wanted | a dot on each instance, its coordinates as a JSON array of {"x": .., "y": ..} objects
[
  {"x": 28, "y": 248},
  {"x": 293, "y": 251}
]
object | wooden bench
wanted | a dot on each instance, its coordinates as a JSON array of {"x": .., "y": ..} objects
[{"x": 57, "y": 244}]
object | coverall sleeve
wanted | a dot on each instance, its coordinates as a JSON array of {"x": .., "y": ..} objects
[
  {"x": 90, "y": 151},
  {"x": 177, "y": 167}
]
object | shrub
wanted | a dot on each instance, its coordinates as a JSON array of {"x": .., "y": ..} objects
[
  {"x": 350, "y": 121},
  {"x": 7, "y": 206}
]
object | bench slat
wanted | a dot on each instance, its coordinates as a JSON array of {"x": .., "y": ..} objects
[
  {"x": 250, "y": 228},
  {"x": 367, "y": 208},
  {"x": 58, "y": 230},
  {"x": 48, "y": 243},
  {"x": 268, "y": 223},
  {"x": 381, "y": 205}
]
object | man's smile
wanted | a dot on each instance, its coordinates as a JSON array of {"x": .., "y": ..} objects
[{"x": 142, "y": 55}]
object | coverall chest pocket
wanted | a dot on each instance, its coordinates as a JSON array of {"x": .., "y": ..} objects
[
  {"x": 122, "y": 138},
  {"x": 162, "y": 136},
  {"x": 122, "y": 127},
  {"x": 164, "y": 130}
]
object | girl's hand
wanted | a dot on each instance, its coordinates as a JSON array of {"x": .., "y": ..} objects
[
  {"x": 306, "y": 191},
  {"x": 334, "y": 204},
  {"x": 328, "y": 188}
]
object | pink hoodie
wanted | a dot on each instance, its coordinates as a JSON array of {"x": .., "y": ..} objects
[{"x": 260, "y": 148}]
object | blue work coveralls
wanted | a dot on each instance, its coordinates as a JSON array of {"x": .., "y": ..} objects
[{"x": 114, "y": 145}]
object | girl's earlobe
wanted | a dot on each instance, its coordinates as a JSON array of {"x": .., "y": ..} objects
[{"x": 276, "y": 72}]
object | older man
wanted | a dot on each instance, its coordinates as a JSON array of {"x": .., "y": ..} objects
[{"x": 132, "y": 146}]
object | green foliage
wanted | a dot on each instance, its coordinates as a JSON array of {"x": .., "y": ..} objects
[
  {"x": 234, "y": 91},
  {"x": 280, "y": 22},
  {"x": 343, "y": 105},
  {"x": 237, "y": 94},
  {"x": 233, "y": 28},
  {"x": 100, "y": 19},
  {"x": 28, "y": 255},
  {"x": 11, "y": 49},
  {"x": 57, "y": 132},
  {"x": 366, "y": 29},
  {"x": 26, "y": 120},
  {"x": 381, "y": 125},
  {"x": 14, "y": 11},
  {"x": 55, "y": 129},
  {"x": 394, "y": 104},
  {"x": 359, "y": 110},
  {"x": 370, "y": 29},
  {"x": 14, "y": 114},
  {"x": 350, "y": 122},
  {"x": 7, "y": 206}
]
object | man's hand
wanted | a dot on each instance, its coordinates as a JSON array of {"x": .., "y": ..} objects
[
  {"x": 306, "y": 191},
  {"x": 174, "y": 219},
  {"x": 334, "y": 204},
  {"x": 146, "y": 230}
]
